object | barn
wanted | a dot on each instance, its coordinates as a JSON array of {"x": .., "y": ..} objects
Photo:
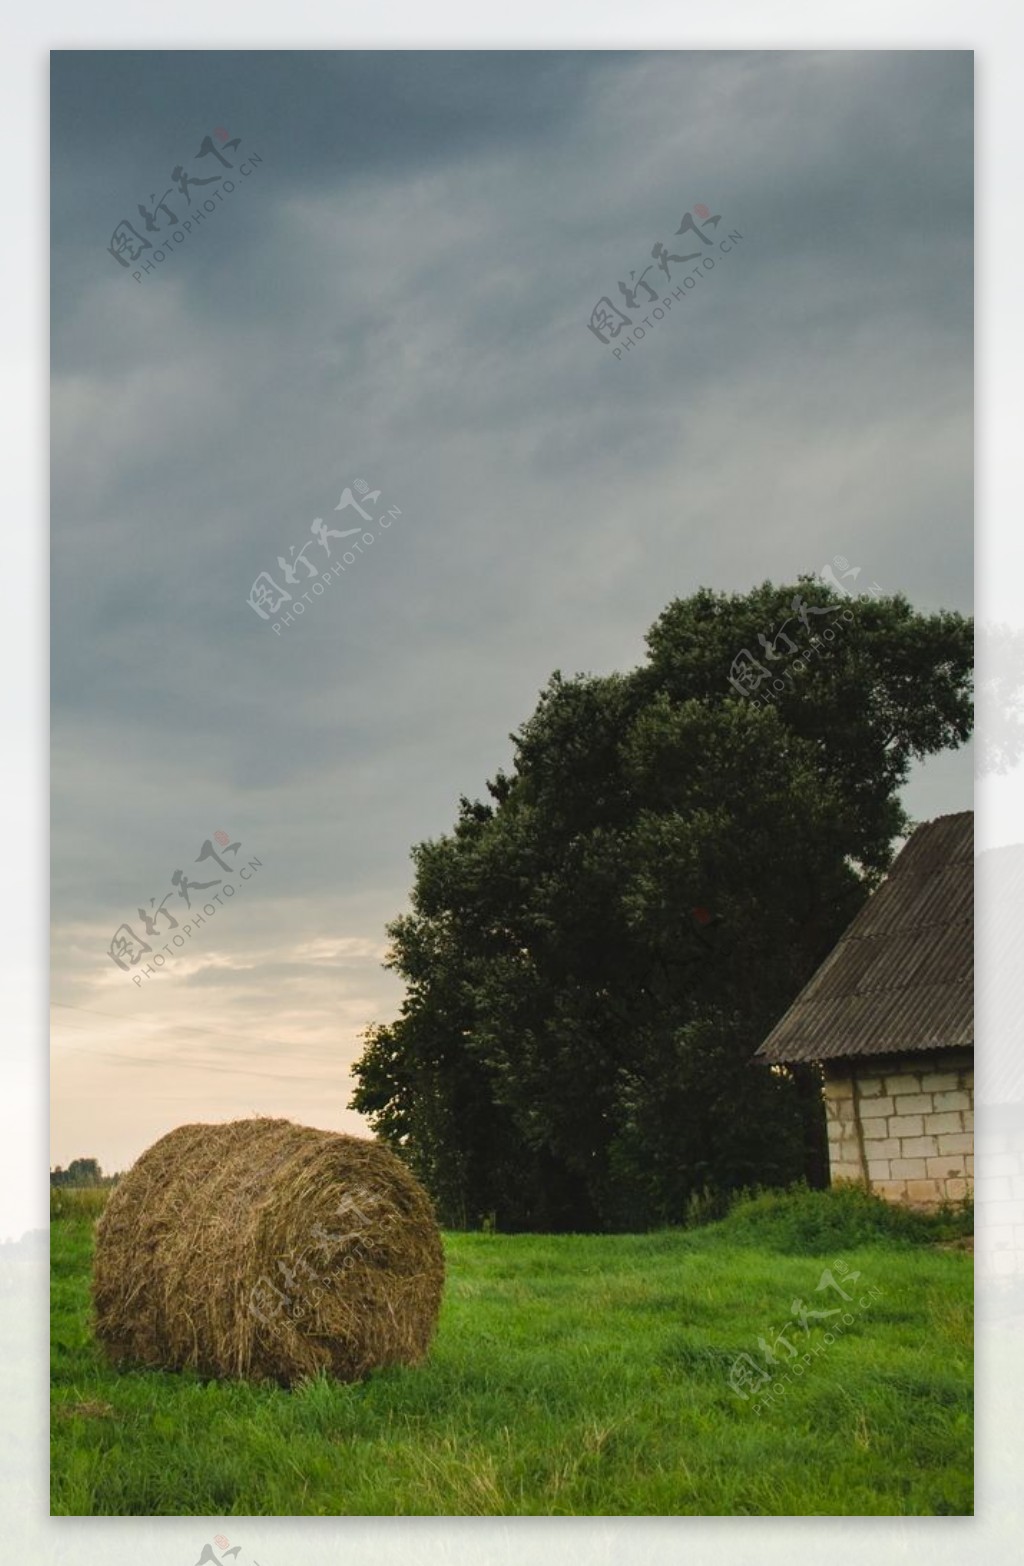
[{"x": 889, "y": 1016}]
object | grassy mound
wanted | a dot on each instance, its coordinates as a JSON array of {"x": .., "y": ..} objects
[{"x": 802, "y": 1222}]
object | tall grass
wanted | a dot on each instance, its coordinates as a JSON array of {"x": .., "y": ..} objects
[
  {"x": 802, "y": 1222},
  {"x": 78, "y": 1201}
]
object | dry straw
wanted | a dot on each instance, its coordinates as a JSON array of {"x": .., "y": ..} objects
[{"x": 260, "y": 1248}]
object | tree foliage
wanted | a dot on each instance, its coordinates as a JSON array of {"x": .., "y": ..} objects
[
  {"x": 80, "y": 1172},
  {"x": 594, "y": 953}
]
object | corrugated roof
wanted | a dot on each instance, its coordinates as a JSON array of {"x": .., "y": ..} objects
[{"x": 902, "y": 977}]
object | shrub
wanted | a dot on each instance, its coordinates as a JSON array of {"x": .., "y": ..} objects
[{"x": 802, "y": 1222}]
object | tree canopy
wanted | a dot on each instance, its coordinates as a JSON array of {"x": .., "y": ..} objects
[{"x": 594, "y": 952}]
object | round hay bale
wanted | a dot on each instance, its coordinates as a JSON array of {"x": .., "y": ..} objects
[{"x": 260, "y": 1248}]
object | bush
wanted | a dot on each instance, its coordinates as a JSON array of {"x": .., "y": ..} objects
[{"x": 802, "y": 1222}]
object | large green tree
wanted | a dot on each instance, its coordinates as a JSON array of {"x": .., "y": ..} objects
[{"x": 594, "y": 953}]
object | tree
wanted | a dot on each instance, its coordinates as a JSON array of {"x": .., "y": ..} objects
[
  {"x": 80, "y": 1171},
  {"x": 593, "y": 956}
]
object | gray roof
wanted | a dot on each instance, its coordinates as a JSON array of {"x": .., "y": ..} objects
[{"x": 902, "y": 977}]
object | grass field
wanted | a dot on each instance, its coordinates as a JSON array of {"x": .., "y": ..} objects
[{"x": 572, "y": 1375}]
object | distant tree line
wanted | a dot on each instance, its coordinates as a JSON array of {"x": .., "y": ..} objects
[{"x": 82, "y": 1172}]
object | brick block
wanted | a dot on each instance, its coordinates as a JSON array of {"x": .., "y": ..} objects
[
  {"x": 968, "y": 1119},
  {"x": 877, "y": 1108},
  {"x": 914, "y": 1104},
  {"x": 936, "y": 1125},
  {"x": 952, "y": 1101},
  {"x": 834, "y": 1130},
  {"x": 869, "y": 1087},
  {"x": 907, "y": 1125},
  {"x": 878, "y": 1169},
  {"x": 954, "y": 1190},
  {"x": 969, "y": 1167},
  {"x": 838, "y": 1087},
  {"x": 924, "y": 1191},
  {"x": 903, "y": 1084},
  {"x": 908, "y": 1168},
  {"x": 892, "y": 1190},
  {"x": 846, "y": 1172},
  {"x": 940, "y": 1081},
  {"x": 957, "y": 1143},
  {"x": 945, "y": 1168},
  {"x": 874, "y": 1130},
  {"x": 886, "y": 1147},
  {"x": 919, "y": 1146}
]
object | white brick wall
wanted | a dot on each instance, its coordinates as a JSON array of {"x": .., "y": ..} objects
[{"x": 904, "y": 1125}]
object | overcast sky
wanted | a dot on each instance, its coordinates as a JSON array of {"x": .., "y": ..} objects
[{"x": 398, "y": 294}]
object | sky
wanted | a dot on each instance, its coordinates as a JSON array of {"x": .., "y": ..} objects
[{"x": 397, "y": 296}]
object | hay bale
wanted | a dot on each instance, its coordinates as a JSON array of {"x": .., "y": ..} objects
[{"x": 260, "y": 1248}]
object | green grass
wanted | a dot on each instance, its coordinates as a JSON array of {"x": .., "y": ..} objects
[
  {"x": 78, "y": 1201},
  {"x": 572, "y": 1375},
  {"x": 802, "y": 1222}
]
